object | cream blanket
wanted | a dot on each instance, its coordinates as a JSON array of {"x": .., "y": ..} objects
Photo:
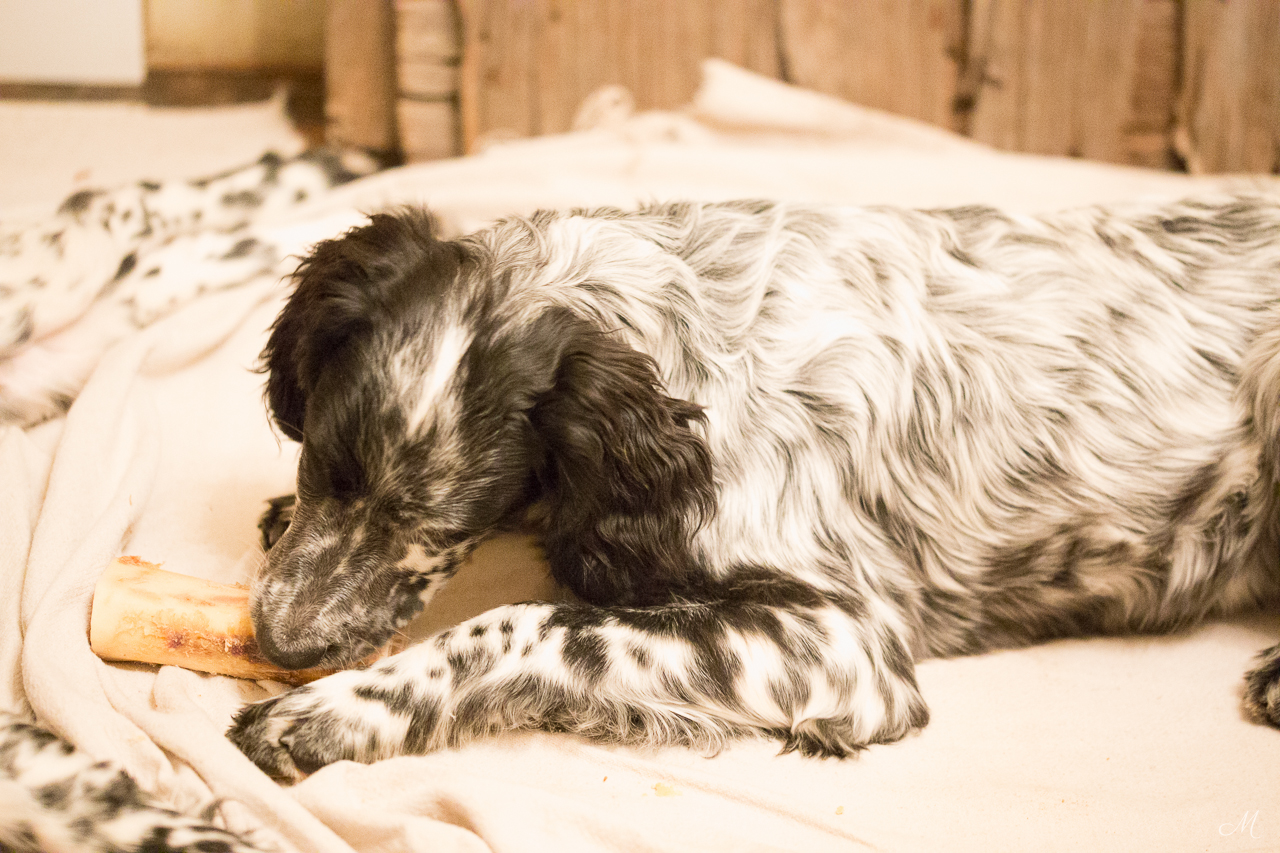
[{"x": 1097, "y": 744}]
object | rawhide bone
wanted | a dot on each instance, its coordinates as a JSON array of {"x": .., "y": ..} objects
[{"x": 144, "y": 614}]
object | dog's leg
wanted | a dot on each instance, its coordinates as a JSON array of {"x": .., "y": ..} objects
[
  {"x": 826, "y": 674},
  {"x": 1262, "y": 688},
  {"x": 1259, "y": 378}
]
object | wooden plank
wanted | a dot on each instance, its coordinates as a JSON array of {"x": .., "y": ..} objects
[
  {"x": 496, "y": 86},
  {"x": 1229, "y": 113},
  {"x": 427, "y": 30},
  {"x": 1057, "y": 78},
  {"x": 528, "y": 64},
  {"x": 428, "y": 129},
  {"x": 1149, "y": 134},
  {"x": 360, "y": 74},
  {"x": 235, "y": 34},
  {"x": 427, "y": 80},
  {"x": 428, "y": 49},
  {"x": 897, "y": 55}
]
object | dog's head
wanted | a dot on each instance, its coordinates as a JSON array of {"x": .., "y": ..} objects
[{"x": 433, "y": 405}]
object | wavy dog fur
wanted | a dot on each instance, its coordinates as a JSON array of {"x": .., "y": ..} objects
[{"x": 785, "y": 451}]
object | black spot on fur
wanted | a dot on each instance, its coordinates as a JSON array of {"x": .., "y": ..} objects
[
  {"x": 330, "y": 161},
  {"x": 241, "y": 249},
  {"x": 1219, "y": 364},
  {"x": 584, "y": 652},
  {"x": 640, "y": 655},
  {"x": 127, "y": 263},
  {"x": 54, "y": 795},
  {"x": 211, "y": 845},
  {"x": 1183, "y": 225},
  {"x": 25, "y": 326},
  {"x": 243, "y": 198},
  {"x": 77, "y": 203},
  {"x": 399, "y": 700},
  {"x": 23, "y": 838},
  {"x": 469, "y": 663},
  {"x": 37, "y": 736},
  {"x": 422, "y": 725},
  {"x": 271, "y": 163},
  {"x": 1193, "y": 493}
]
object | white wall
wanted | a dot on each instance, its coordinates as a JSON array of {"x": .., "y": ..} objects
[{"x": 96, "y": 42}]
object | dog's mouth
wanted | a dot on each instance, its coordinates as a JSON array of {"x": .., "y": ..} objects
[
  {"x": 335, "y": 590},
  {"x": 330, "y": 630},
  {"x": 309, "y": 650},
  {"x": 346, "y": 617}
]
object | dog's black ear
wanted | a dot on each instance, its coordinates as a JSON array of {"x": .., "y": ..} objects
[
  {"x": 340, "y": 292},
  {"x": 286, "y": 400},
  {"x": 628, "y": 477}
]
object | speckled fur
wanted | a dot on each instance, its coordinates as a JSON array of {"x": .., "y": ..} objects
[
  {"x": 110, "y": 262},
  {"x": 56, "y": 799},
  {"x": 783, "y": 451}
]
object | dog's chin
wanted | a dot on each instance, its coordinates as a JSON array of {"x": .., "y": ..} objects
[
  {"x": 368, "y": 646},
  {"x": 362, "y": 652}
]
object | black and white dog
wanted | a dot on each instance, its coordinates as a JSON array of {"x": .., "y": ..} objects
[
  {"x": 55, "y": 798},
  {"x": 783, "y": 452}
]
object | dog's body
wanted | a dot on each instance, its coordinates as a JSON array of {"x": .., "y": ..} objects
[
  {"x": 784, "y": 452},
  {"x": 55, "y": 798}
]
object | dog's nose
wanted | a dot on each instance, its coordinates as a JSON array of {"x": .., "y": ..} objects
[{"x": 294, "y": 652}]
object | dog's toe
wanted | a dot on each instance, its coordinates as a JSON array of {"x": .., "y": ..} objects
[
  {"x": 276, "y": 520},
  {"x": 1262, "y": 688},
  {"x": 259, "y": 735},
  {"x": 295, "y": 734}
]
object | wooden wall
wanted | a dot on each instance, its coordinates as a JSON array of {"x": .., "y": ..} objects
[
  {"x": 1229, "y": 109},
  {"x": 234, "y": 34},
  {"x": 527, "y": 65},
  {"x": 1165, "y": 83}
]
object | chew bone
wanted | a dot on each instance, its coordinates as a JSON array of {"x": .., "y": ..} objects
[{"x": 145, "y": 614}]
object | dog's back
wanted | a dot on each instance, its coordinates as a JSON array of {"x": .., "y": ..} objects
[
  {"x": 784, "y": 451},
  {"x": 1018, "y": 426}
]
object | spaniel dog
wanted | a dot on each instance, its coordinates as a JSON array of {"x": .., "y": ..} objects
[{"x": 780, "y": 452}]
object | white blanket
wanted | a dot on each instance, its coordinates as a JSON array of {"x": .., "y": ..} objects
[{"x": 1095, "y": 744}]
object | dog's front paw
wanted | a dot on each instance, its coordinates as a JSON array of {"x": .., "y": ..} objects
[
  {"x": 295, "y": 734},
  {"x": 1262, "y": 688},
  {"x": 276, "y": 520}
]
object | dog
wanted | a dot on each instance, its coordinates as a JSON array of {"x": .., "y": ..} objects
[
  {"x": 780, "y": 453},
  {"x": 109, "y": 263},
  {"x": 54, "y": 797}
]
